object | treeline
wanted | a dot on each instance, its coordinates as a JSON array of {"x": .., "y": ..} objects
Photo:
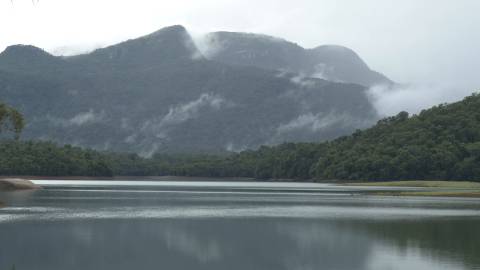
[
  {"x": 441, "y": 143},
  {"x": 48, "y": 159}
]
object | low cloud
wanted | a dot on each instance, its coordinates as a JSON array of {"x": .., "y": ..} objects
[
  {"x": 149, "y": 150},
  {"x": 209, "y": 44},
  {"x": 318, "y": 126},
  {"x": 302, "y": 81},
  {"x": 313, "y": 122},
  {"x": 231, "y": 147},
  {"x": 184, "y": 112},
  {"x": 84, "y": 118},
  {"x": 413, "y": 97},
  {"x": 80, "y": 119},
  {"x": 161, "y": 126},
  {"x": 76, "y": 49},
  {"x": 322, "y": 71}
]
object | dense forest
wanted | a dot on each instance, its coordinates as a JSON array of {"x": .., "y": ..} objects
[
  {"x": 11, "y": 120},
  {"x": 48, "y": 159},
  {"x": 439, "y": 143}
]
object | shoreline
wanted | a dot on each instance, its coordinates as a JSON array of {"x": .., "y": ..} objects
[
  {"x": 458, "y": 189},
  {"x": 133, "y": 178},
  {"x": 17, "y": 184},
  {"x": 420, "y": 183},
  {"x": 450, "y": 194}
]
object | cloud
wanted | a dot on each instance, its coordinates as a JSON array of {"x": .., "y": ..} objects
[
  {"x": 150, "y": 150},
  {"x": 424, "y": 47},
  {"x": 413, "y": 97},
  {"x": 302, "y": 81},
  {"x": 313, "y": 122},
  {"x": 76, "y": 49},
  {"x": 231, "y": 147},
  {"x": 161, "y": 126},
  {"x": 84, "y": 118},
  {"x": 184, "y": 112},
  {"x": 322, "y": 71},
  {"x": 80, "y": 119},
  {"x": 208, "y": 44}
]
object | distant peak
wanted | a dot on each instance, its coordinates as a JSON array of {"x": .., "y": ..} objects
[
  {"x": 166, "y": 44},
  {"x": 335, "y": 49},
  {"x": 245, "y": 36},
  {"x": 174, "y": 29},
  {"x": 25, "y": 50}
]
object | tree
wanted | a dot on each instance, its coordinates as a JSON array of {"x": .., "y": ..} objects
[{"x": 11, "y": 120}]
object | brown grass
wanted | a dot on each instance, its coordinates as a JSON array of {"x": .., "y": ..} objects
[{"x": 423, "y": 183}]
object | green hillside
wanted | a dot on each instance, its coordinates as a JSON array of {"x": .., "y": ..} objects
[{"x": 441, "y": 143}]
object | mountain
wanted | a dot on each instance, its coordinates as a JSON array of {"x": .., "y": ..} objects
[
  {"x": 158, "y": 93},
  {"x": 330, "y": 62}
]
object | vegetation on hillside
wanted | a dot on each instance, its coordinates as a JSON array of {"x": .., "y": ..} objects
[
  {"x": 48, "y": 159},
  {"x": 11, "y": 120},
  {"x": 441, "y": 143}
]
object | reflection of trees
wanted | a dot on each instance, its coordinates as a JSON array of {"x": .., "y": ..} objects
[
  {"x": 178, "y": 244},
  {"x": 454, "y": 239},
  {"x": 323, "y": 246},
  {"x": 229, "y": 243}
]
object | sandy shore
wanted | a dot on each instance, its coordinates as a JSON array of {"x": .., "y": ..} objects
[{"x": 12, "y": 184}]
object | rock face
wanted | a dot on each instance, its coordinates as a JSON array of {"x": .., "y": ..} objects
[
  {"x": 16, "y": 184},
  {"x": 159, "y": 93}
]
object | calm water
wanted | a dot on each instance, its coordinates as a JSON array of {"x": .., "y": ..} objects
[{"x": 245, "y": 226}]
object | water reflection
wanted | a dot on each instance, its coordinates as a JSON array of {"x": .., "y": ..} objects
[
  {"x": 232, "y": 231},
  {"x": 220, "y": 244}
]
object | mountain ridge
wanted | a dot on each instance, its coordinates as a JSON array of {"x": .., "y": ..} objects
[
  {"x": 158, "y": 94},
  {"x": 331, "y": 62}
]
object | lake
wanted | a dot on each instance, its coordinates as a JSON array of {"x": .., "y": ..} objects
[{"x": 116, "y": 225}]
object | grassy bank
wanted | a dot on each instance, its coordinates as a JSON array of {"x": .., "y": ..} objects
[
  {"x": 432, "y": 188},
  {"x": 420, "y": 183},
  {"x": 431, "y": 193},
  {"x": 465, "y": 194}
]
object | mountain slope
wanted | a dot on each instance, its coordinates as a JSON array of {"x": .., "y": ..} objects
[
  {"x": 158, "y": 93},
  {"x": 441, "y": 143},
  {"x": 335, "y": 63}
]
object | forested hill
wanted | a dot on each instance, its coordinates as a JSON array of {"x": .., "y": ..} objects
[{"x": 439, "y": 143}]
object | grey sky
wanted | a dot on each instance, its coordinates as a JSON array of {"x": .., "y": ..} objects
[{"x": 411, "y": 41}]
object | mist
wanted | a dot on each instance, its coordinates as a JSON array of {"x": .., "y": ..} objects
[
  {"x": 430, "y": 46},
  {"x": 413, "y": 98}
]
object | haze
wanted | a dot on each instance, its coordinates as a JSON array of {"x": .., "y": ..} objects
[{"x": 430, "y": 45}]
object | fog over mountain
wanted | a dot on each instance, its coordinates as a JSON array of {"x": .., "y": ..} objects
[
  {"x": 160, "y": 93},
  {"x": 428, "y": 46},
  {"x": 329, "y": 62}
]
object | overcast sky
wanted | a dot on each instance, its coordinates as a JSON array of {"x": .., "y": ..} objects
[{"x": 411, "y": 41}]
